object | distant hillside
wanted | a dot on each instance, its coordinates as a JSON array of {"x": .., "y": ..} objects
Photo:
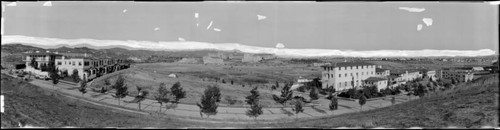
[{"x": 472, "y": 105}]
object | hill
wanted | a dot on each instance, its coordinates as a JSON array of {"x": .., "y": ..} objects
[{"x": 470, "y": 105}]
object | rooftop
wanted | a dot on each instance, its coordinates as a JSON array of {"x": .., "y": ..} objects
[
  {"x": 345, "y": 64},
  {"x": 375, "y": 79},
  {"x": 380, "y": 70},
  {"x": 42, "y": 53},
  {"x": 392, "y": 76}
]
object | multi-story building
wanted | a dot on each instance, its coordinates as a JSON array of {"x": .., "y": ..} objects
[
  {"x": 407, "y": 75},
  {"x": 39, "y": 63},
  {"x": 345, "y": 75},
  {"x": 86, "y": 67},
  {"x": 382, "y": 72},
  {"x": 380, "y": 83},
  {"x": 460, "y": 75}
]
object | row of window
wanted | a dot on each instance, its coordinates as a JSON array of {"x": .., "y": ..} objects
[
  {"x": 345, "y": 75},
  {"x": 345, "y": 68}
]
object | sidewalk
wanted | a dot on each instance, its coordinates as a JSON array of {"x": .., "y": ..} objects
[{"x": 224, "y": 113}]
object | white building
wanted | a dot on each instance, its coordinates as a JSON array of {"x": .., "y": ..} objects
[
  {"x": 380, "y": 83},
  {"x": 346, "y": 75}
]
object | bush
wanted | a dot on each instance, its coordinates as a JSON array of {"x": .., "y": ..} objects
[{"x": 230, "y": 100}]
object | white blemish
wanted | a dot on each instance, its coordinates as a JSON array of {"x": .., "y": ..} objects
[
  {"x": 3, "y": 27},
  {"x": 280, "y": 45},
  {"x": 197, "y": 24},
  {"x": 427, "y": 21},
  {"x": 409, "y": 9},
  {"x": 209, "y": 25},
  {"x": 12, "y": 4},
  {"x": 196, "y": 15},
  {"x": 157, "y": 28},
  {"x": 216, "y": 29},
  {"x": 181, "y": 39},
  {"x": 48, "y": 3},
  {"x": 419, "y": 27},
  {"x": 261, "y": 17},
  {"x": 125, "y": 10}
]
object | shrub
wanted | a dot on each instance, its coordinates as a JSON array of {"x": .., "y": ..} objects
[
  {"x": 230, "y": 100},
  {"x": 208, "y": 103}
]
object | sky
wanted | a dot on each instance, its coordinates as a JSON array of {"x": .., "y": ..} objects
[{"x": 297, "y": 25}]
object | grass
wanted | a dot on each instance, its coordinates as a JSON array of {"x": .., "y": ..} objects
[{"x": 469, "y": 105}]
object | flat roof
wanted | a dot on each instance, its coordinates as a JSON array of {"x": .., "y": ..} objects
[
  {"x": 345, "y": 64},
  {"x": 375, "y": 79}
]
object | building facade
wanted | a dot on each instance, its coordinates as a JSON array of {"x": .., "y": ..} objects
[
  {"x": 460, "y": 75},
  {"x": 39, "y": 63},
  {"x": 380, "y": 83},
  {"x": 346, "y": 75},
  {"x": 382, "y": 72}
]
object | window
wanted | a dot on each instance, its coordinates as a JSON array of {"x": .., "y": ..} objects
[
  {"x": 73, "y": 63},
  {"x": 340, "y": 75},
  {"x": 345, "y": 74},
  {"x": 362, "y": 73},
  {"x": 339, "y": 68},
  {"x": 345, "y": 83},
  {"x": 357, "y": 67},
  {"x": 59, "y": 63},
  {"x": 362, "y": 67},
  {"x": 86, "y": 63},
  {"x": 80, "y": 63},
  {"x": 345, "y": 68},
  {"x": 356, "y": 73},
  {"x": 340, "y": 84},
  {"x": 351, "y": 67}
]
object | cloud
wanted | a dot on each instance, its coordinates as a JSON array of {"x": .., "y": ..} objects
[
  {"x": 280, "y": 45},
  {"x": 494, "y": 2},
  {"x": 196, "y": 15},
  {"x": 209, "y": 25},
  {"x": 427, "y": 21},
  {"x": 12, "y": 4},
  {"x": 412, "y": 9},
  {"x": 419, "y": 27},
  {"x": 216, "y": 29},
  {"x": 124, "y": 10},
  {"x": 181, "y": 39},
  {"x": 157, "y": 28},
  {"x": 189, "y": 45},
  {"x": 48, "y": 3},
  {"x": 261, "y": 17}
]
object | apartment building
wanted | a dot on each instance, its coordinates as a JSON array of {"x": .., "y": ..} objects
[
  {"x": 460, "y": 75},
  {"x": 346, "y": 75},
  {"x": 88, "y": 67},
  {"x": 380, "y": 83},
  {"x": 38, "y": 63},
  {"x": 382, "y": 72}
]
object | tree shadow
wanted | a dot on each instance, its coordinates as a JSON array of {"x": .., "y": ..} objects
[
  {"x": 288, "y": 113},
  {"x": 318, "y": 110}
]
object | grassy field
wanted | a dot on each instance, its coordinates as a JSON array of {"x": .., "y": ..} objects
[
  {"x": 45, "y": 108},
  {"x": 470, "y": 105},
  {"x": 195, "y": 77}
]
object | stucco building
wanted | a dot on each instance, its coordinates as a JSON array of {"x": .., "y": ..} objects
[{"x": 346, "y": 75}]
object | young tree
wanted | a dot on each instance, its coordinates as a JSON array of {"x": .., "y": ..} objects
[
  {"x": 83, "y": 86},
  {"x": 393, "y": 100},
  {"x": 177, "y": 92},
  {"x": 54, "y": 76},
  {"x": 362, "y": 101},
  {"x": 162, "y": 95},
  {"x": 141, "y": 95},
  {"x": 75, "y": 76},
  {"x": 121, "y": 88},
  {"x": 253, "y": 100},
  {"x": 313, "y": 93},
  {"x": 297, "y": 107},
  {"x": 286, "y": 95},
  {"x": 209, "y": 101},
  {"x": 333, "y": 103}
]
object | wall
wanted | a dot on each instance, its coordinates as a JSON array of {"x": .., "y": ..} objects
[{"x": 332, "y": 78}]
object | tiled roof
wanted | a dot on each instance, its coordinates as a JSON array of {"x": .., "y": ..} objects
[
  {"x": 380, "y": 70},
  {"x": 344, "y": 64},
  {"x": 375, "y": 79}
]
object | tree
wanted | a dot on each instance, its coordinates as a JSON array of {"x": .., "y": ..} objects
[
  {"x": 286, "y": 95},
  {"x": 333, "y": 103},
  {"x": 141, "y": 95},
  {"x": 232, "y": 82},
  {"x": 253, "y": 100},
  {"x": 362, "y": 101},
  {"x": 34, "y": 63},
  {"x": 453, "y": 81},
  {"x": 393, "y": 100},
  {"x": 106, "y": 82},
  {"x": 75, "y": 76},
  {"x": 313, "y": 93},
  {"x": 297, "y": 107},
  {"x": 178, "y": 93},
  {"x": 83, "y": 86},
  {"x": 121, "y": 88},
  {"x": 54, "y": 76},
  {"x": 208, "y": 104},
  {"x": 162, "y": 95}
]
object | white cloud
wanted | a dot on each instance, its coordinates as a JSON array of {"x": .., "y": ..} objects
[
  {"x": 157, "y": 28},
  {"x": 216, "y": 29},
  {"x": 48, "y": 3},
  {"x": 124, "y": 10},
  {"x": 188, "y": 45},
  {"x": 494, "y": 2},
  {"x": 181, "y": 39},
  {"x": 409, "y": 9},
  {"x": 196, "y": 15},
  {"x": 12, "y": 4},
  {"x": 209, "y": 25},
  {"x": 261, "y": 17},
  {"x": 419, "y": 27},
  {"x": 427, "y": 21},
  {"x": 280, "y": 45}
]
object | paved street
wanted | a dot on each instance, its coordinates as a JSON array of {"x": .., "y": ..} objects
[{"x": 226, "y": 113}]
